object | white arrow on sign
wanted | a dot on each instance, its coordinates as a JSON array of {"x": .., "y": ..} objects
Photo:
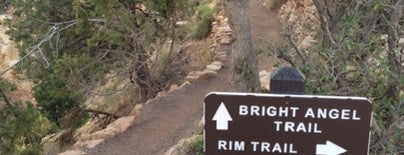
[
  {"x": 329, "y": 149},
  {"x": 222, "y": 118}
]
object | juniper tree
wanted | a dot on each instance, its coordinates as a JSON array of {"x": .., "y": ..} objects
[{"x": 67, "y": 46}]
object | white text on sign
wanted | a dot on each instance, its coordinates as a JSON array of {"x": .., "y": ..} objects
[
  {"x": 256, "y": 146},
  {"x": 319, "y": 113},
  {"x": 293, "y": 112}
]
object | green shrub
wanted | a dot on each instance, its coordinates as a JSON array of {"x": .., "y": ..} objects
[
  {"x": 8, "y": 85},
  {"x": 197, "y": 146},
  {"x": 55, "y": 99},
  {"x": 21, "y": 130},
  {"x": 204, "y": 18}
]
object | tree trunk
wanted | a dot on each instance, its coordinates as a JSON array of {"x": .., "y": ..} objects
[
  {"x": 140, "y": 73},
  {"x": 244, "y": 72}
]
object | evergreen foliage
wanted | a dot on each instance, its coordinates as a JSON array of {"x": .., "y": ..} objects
[
  {"x": 22, "y": 126},
  {"x": 69, "y": 46},
  {"x": 204, "y": 18},
  {"x": 353, "y": 60}
]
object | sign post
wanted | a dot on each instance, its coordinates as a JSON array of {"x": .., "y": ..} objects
[{"x": 256, "y": 124}]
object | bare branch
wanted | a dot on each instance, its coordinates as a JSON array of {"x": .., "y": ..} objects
[
  {"x": 53, "y": 32},
  {"x": 281, "y": 55},
  {"x": 300, "y": 53}
]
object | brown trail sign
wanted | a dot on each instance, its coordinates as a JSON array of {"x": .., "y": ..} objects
[{"x": 256, "y": 124}]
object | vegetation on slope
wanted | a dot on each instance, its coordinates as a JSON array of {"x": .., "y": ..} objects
[
  {"x": 69, "y": 46},
  {"x": 352, "y": 60}
]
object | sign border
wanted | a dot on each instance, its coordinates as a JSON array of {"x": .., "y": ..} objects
[{"x": 286, "y": 96}]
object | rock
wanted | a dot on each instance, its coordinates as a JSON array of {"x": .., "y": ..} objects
[
  {"x": 88, "y": 144},
  {"x": 223, "y": 28},
  {"x": 91, "y": 126},
  {"x": 303, "y": 18},
  {"x": 73, "y": 152},
  {"x": 181, "y": 23},
  {"x": 122, "y": 124},
  {"x": 174, "y": 88},
  {"x": 136, "y": 110},
  {"x": 185, "y": 83},
  {"x": 193, "y": 77},
  {"x": 149, "y": 101},
  {"x": 307, "y": 43},
  {"x": 118, "y": 126},
  {"x": 217, "y": 63},
  {"x": 226, "y": 40},
  {"x": 215, "y": 66},
  {"x": 161, "y": 94},
  {"x": 208, "y": 74},
  {"x": 183, "y": 146},
  {"x": 102, "y": 134},
  {"x": 265, "y": 79},
  {"x": 52, "y": 144}
]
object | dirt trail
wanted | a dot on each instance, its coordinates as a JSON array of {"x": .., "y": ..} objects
[
  {"x": 163, "y": 123},
  {"x": 265, "y": 25},
  {"x": 265, "y": 28}
]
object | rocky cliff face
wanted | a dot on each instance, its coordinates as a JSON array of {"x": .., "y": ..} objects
[
  {"x": 302, "y": 18},
  {"x": 9, "y": 57},
  {"x": 8, "y": 52}
]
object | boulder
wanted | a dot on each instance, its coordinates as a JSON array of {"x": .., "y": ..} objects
[
  {"x": 265, "y": 79},
  {"x": 52, "y": 144},
  {"x": 122, "y": 124},
  {"x": 215, "y": 66}
]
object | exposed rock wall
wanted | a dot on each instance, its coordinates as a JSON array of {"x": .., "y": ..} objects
[
  {"x": 8, "y": 52},
  {"x": 302, "y": 18},
  {"x": 8, "y": 57}
]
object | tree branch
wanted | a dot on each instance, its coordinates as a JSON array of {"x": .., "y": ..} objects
[
  {"x": 300, "y": 53},
  {"x": 53, "y": 32}
]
